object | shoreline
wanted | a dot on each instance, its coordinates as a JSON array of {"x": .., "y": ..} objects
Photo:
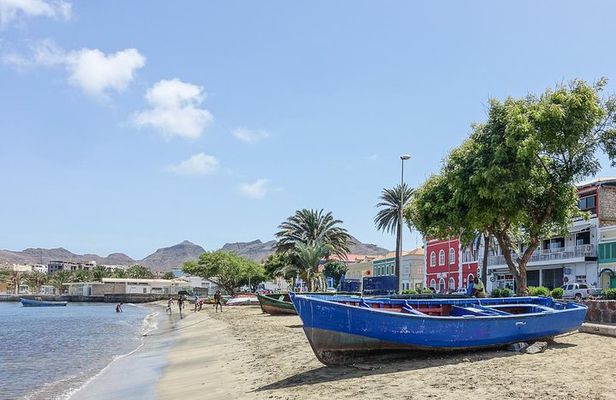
[{"x": 143, "y": 364}]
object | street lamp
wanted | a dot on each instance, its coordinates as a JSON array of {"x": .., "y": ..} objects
[{"x": 403, "y": 158}]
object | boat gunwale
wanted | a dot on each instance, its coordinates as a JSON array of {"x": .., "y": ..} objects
[{"x": 577, "y": 307}]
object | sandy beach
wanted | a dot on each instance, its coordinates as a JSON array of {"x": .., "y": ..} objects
[{"x": 244, "y": 354}]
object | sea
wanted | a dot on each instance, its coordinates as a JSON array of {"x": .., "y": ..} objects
[{"x": 83, "y": 350}]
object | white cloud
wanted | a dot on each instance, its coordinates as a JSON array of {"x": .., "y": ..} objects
[
  {"x": 11, "y": 10},
  {"x": 199, "y": 164},
  {"x": 95, "y": 72},
  {"x": 255, "y": 190},
  {"x": 250, "y": 135},
  {"x": 175, "y": 109}
]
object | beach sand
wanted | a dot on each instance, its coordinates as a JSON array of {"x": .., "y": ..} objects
[{"x": 244, "y": 354}]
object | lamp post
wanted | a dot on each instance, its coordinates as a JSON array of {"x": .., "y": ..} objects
[{"x": 403, "y": 158}]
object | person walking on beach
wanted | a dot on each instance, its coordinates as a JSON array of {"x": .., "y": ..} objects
[
  {"x": 196, "y": 302},
  {"x": 180, "y": 303},
  {"x": 169, "y": 304},
  {"x": 119, "y": 308},
  {"x": 218, "y": 300}
]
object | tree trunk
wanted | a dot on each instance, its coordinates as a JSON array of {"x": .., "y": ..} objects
[
  {"x": 517, "y": 269},
  {"x": 398, "y": 255},
  {"x": 484, "y": 261}
]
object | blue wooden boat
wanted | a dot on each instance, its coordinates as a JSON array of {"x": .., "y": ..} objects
[
  {"x": 42, "y": 303},
  {"x": 341, "y": 328}
]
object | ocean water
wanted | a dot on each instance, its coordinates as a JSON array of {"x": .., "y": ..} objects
[{"x": 51, "y": 352}]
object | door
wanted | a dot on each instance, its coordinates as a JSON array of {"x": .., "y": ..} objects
[{"x": 612, "y": 282}]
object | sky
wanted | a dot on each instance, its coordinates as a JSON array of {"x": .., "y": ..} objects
[{"x": 129, "y": 126}]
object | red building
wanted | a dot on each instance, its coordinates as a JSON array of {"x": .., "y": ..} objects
[{"x": 448, "y": 266}]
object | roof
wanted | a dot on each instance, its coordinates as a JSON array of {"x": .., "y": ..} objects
[
  {"x": 596, "y": 182},
  {"x": 82, "y": 283},
  {"x": 135, "y": 280}
]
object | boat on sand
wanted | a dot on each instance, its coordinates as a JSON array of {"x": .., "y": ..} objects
[
  {"x": 341, "y": 328},
  {"x": 276, "y": 303}
]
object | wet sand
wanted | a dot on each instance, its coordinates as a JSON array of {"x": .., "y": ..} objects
[{"x": 244, "y": 354}]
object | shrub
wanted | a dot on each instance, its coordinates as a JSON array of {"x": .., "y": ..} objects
[
  {"x": 426, "y": 291},
  {"x": 496, "y": 292},
  {"x": 557, "y": 293},
  {"x": 506, "y": 292},
  {"x": 610, "y": 294},
  {"x": 409, "y": 292},
  {"x": 538, "y": 291}
]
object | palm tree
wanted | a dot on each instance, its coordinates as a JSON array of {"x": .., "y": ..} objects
[
  {"x": 307, "y": 227},
  {"x": 36, "y": 279},
  {"x": 14, "y": 280},
  {"x": 387, "y": 219},
  {"x": 99, "y": 272},
  {"x": 309, "y": 258},
  {"x": 59, "y": 278}
]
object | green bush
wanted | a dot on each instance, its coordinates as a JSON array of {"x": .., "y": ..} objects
[
  {"x": 506, "y": 292},
  {"x": 557, "y": 293},
  {"x": 496, "y": 292},
  {"x": 426, "y": 291},
  {"x": 409, "y": 292},
  {"x": 538, "y": 291},
  {"x": 610, "y": 294}
]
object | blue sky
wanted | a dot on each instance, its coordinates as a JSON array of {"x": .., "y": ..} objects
[{"x": 128, "y": 126}]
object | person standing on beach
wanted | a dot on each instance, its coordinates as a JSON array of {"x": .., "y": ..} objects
[
  {"x": 119, "y": 308},
  {"x": 478, "y": 288},
  {"x": 169, "y": 304},
  {"x": 218, "y": 300},
  {"x": 470, "y": 291},
  {"x": 196, "y": 301}
]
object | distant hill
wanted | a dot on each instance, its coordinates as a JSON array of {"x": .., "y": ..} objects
[
  {"x": 161, "y": 260},
  {"x": 169, "y": 257},
  {"x": 258, "y": 251}
]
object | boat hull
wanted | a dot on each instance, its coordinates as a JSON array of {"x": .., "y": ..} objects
[
  {"x": 339, "y": 332},
  {"x": 42, "y": 303},
  {"x": 271, "y": 304}
]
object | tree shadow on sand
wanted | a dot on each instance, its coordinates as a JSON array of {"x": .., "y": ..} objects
[{"x": 395, "y": 362}]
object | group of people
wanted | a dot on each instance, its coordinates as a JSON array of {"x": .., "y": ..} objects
[
  {"x": 475, "y": 288},
  {"x": 198, "y": 302}
]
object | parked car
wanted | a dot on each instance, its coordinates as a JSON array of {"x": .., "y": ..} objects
[{"x": 579, "y": 291}]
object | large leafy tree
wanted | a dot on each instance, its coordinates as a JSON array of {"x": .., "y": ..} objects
[
  {"x": 514, "y": 178},
  {"x": 226, "y": 269},
  {"x": 310, "y": 226}
]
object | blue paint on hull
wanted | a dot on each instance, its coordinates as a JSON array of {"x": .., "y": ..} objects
[{"x": 327, "y": 321}]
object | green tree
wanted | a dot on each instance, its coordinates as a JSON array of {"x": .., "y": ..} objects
[
  {"x": 99, "y": 272},
  {"x": 309, "y": 257},
  {"x": 275, "y": 263},
  {"x": 81, "y": 276},
  {"x": 139, "y": 272},
  {"x": 311, "y": 226},
  {"x": 335, "y": 270},
  {"x": 119, "y": 273},
  {"x": 168, "y": 275},
  {"x": 226, "y": 269},
  {"x": 254, "y": 273},
  {"x": 35, "y": 280},
  {"x": 514, "y": 178},
  {"x": 59, "y": 278},
  {"x": 391, "y": 203}
]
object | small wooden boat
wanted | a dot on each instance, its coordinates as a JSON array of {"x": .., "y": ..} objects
[
  {"x": 276, "y": 303},
  {"x": 42, "y": 303},
  {"x": 243, "y": 300},
  {"x": 341, "y": 328}
]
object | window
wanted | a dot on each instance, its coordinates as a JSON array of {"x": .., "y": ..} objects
[
  {"x": 432, "y": 259},
  {"x": 441, "y": 284},
  {"x": 582, "y": 238},
  {"x": 452, "y": 284},
  {"x": 452, "y": 256},
  {"x": 587, "y": 204},
  {"x": 441, "y": 257},
  {"x": 433, "y": 284}
]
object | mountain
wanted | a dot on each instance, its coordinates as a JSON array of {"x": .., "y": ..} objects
[
  {"x": 161, "y": 260},
  {"x": 259, "y": 251},
  {"x": 169, "y": 257},
  {"x": 255, "y": 250}
]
